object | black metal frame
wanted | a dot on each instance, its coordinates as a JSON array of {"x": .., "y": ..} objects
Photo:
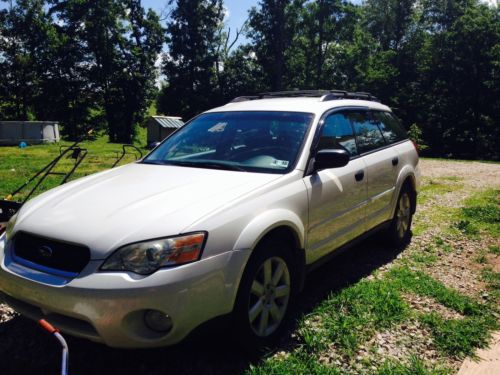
[
  {"x": 326, "y": 95},
  {"x": 135, "y": 152},
  {"x": 8, "y": 208}
]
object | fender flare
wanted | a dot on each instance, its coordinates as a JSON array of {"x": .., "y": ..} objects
[
  {"x": 262, "y": 224},
  {"x": 404, "y": 174}
]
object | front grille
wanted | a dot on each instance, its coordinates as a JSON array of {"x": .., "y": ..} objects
[{"x": 50, "y": 253}]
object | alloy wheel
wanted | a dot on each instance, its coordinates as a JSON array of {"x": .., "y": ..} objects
[
  {"x": 403, "y": 215},
  {"x": 269, "y": 296}
]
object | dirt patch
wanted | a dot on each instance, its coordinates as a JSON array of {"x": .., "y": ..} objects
[
  {"x": 427, "y": 305},
  {"x": 458, "y": 269},
  {"x": 6, "y": 313},
  {"x": 474, "y": 174},
  {"x": 400, "y": 343},
  {"x": 494, "y": 260}
]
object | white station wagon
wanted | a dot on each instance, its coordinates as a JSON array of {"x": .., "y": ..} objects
[{"x": 224, "y": 217}]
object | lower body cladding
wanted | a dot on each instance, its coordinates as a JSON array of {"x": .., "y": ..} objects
[{"x": 124, "y": 310}]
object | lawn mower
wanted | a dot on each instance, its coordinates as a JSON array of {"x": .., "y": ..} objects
[{"x": 9, "y": 207}]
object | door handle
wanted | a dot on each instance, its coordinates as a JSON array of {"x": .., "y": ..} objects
[
  {"x": 359, "y": 175},
  {"x": 395, "y": 161}
]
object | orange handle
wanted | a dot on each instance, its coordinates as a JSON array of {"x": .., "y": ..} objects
[{"x": 47, "y": 326}]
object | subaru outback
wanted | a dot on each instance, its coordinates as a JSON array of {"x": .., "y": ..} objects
[{"x": 223, "y": 218}]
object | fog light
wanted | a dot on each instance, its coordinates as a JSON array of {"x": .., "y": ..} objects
[{"x": 158, "y": 321}]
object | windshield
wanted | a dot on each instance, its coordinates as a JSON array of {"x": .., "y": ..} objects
[{"x": 267, "y": 142}]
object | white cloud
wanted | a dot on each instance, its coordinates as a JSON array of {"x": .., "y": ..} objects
[
  {"x": 491, "y": 3},
  {"x": 226, "y": 13}
]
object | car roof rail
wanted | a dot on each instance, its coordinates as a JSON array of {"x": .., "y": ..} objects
[{"x": 325, "y": 95}]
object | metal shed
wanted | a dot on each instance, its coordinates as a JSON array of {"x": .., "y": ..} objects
[
  {"x": 31, "y": 132},
  {"x": 160, "y": 127}
]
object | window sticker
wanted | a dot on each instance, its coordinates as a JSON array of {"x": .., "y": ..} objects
[
  {"x": 279, "y": 163},
  {"x": 218, "y": 128}
]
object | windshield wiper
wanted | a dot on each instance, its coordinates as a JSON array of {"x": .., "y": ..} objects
[{"x": 207, "y": 164}]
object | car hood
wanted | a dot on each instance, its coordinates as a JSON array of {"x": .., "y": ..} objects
[{"x": 133, "y": 203}]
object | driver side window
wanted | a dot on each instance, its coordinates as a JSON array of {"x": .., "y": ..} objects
[{"x": 337, "y": 133}]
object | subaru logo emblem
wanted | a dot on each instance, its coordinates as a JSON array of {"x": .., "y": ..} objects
[{"x": 45, "y": 251}]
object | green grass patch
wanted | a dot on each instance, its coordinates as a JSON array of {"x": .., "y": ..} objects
[
  {"x": 481, "y": 214},
  {"x": 453, "y": 337},
  {"x": 494, "y": 249},
  {"x": 345, "y": 319},
  {"x": 481, "y": 258},
  {"x": 349, "y": 317},
  {"x": 460, "y": 337},
  {"x": 434, "y": 216},
  {"x": 434, "y": 187},
  {"x": 426, "y": 256},
  {"x": 18, "y": 165},
  {"x": 352, "y": 315},
  {"x": 415, "y": 367},
  {"x": 298, "y": 362},
  {"x": 422, "y": 284},
  {"x": 443, "y": 245},
  {"x": 492, "y": 279},
  {"x": 451, "y": 178}
]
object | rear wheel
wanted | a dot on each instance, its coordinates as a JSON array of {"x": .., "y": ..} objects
[
  {"x": 264, "y": 295},
  {"x": 399, "y": 231}
]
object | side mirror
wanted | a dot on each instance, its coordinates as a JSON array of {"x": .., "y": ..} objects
[{"x": 326, "y": 159}]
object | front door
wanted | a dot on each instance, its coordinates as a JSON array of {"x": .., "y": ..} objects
[{"x": 337, "y": 196}]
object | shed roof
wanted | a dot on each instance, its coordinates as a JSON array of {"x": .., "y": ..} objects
[
  {"x": 30, "y": 122},
  {"x": 168, "y": 121}
]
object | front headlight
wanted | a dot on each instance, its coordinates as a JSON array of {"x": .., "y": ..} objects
[{"x": 147, "y": 257}]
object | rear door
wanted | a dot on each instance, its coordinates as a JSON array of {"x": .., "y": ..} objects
[
  {"x": 336, "y": 196},
  {"x": 381, "y": 166}
]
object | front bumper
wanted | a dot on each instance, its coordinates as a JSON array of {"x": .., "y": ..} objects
[{"x": 108, "y": 307}]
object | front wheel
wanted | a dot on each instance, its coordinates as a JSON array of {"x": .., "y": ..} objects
[{"x": 264, "y": 295}]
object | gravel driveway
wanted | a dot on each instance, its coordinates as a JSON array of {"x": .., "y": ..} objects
[{"x": 24, "y": 348}]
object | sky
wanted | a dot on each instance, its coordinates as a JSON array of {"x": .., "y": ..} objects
[{"x": 237, "y": 10}]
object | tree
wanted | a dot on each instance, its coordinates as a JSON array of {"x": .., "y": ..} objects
[
  {"x": 327, "y": 25},
  {"x": 242, "y": 74},
  {"x": 25, "y": 36},
  {"x": 125, "y": 42},
  {"x": 82, "y": 63},
  {"x": 191, "y": 61},
  {"x": 462, "y": 84},
  {"x": 271, "y": 28}
]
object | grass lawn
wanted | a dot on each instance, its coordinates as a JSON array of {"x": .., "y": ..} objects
[{"x": 18, "y": 165}]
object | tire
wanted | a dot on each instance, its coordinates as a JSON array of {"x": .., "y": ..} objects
[
  {"x": 399, "y": 232},
  {"x": 264, "y": 296}
]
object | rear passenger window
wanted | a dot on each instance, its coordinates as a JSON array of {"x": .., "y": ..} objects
[
  {"x": 368, "y": 134},
  {"x": 391, "y": 130},
  {"x": 337, "y": 134}
]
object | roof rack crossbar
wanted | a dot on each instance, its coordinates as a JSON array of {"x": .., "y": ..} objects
[{"x": 325, "y": 95}]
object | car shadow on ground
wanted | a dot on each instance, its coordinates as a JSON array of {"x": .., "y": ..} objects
[{"x": 26, "y": 349}]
